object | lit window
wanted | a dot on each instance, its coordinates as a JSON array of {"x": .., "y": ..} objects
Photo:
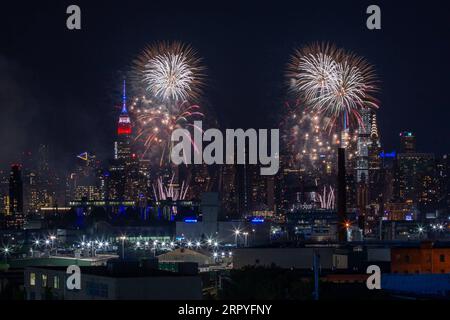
[
  {"x": 56, "y": 282},
  {"x": 44, "y": 280},
  {"x": 32, "y": 279}
]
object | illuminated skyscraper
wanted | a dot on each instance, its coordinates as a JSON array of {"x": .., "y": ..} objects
[
  {"x": 16, "y": 197},
  {"x": 417, "y": 174},
  {"x": 415, "y": 181},
  {"x": 228, "y": 190},
  {"x": 123, "y": 182},
  {"x": 122, "y": 150},
  {"x": 86, "y": 182},
  {"x": 408, "y": 142},
  {"x": 443, "y": 181},
  {"x": 376, "y": 178},
  {"x": 362, "y": 161},
  {"x": 15, "y": 190},
  {"x": 374, "y": 146},
  {"x": 4, "y": 192}
]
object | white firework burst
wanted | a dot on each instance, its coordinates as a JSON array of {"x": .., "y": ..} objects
[
  {"x": 169, "y": 76},
  {"x": 170, "y": 72}
]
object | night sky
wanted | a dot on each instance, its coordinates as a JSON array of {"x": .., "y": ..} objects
[{"x": 60, "y": 87}]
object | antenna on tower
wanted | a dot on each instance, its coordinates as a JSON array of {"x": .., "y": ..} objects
[{"x": 124, "y": 98}]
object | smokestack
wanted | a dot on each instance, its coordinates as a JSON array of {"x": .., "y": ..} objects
[{"x": 341, "y": 196}]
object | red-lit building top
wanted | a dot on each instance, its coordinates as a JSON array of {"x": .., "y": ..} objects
[{"x": 124, "y": 124}]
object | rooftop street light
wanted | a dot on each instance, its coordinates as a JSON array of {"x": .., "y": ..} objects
[
  {"x": 123, "y": 238},
  {"x": 52, "y": 238},
  {"x": 155, "y": 244},
  {"x": 245, "y": 238},
  {"x": 6, "y": 251},
  {"x": 236, "y": 234}
]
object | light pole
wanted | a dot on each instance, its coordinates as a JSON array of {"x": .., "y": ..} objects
[
  {"x": 123, "y": 238},
  {"x": 236, "y": 234},
  {"x": 47, "y": 243},
  {"x": 245, "y": 238},
  {"x": 52, "y": 238},
  {"x": 155, "y": 243},
  {"x": 420, "y": 229},
  {"x": 6, "y": 252}
]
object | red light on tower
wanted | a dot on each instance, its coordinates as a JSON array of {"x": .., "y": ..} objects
[{"x": 124, "y": 126}]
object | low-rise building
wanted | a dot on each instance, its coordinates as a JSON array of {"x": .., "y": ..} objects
[
  {"x": 290, "y": 257},
  {"x": 117, "y": 281},
  {"x": 428, "y": 257}
]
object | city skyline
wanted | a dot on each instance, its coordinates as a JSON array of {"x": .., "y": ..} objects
[
  {"x": 90, "y": 102},
  {"x": 207, "y": 151}
]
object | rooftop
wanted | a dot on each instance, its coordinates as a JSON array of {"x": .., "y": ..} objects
[{"x": 118, "y": 270}]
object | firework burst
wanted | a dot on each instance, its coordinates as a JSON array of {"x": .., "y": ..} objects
[
  {"x": 155, "y": 123},
  {"x": 170, "y": 72},
  {"x": 161, "y": 191},
  {"x": 333, "y": 83},
  {"x": 326, "y": 199},
  {"x": 312, "y": 148},
  {"x": 312, "y": 70}
]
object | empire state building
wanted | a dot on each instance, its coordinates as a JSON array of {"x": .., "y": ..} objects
[{"x": 122, "y": 149}]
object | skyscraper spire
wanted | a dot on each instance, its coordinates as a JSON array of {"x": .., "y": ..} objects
[
  {"x": 124, "y": 98},
  {"x": 374, "y": 127},
  {"x": 374, "y": 134}
]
